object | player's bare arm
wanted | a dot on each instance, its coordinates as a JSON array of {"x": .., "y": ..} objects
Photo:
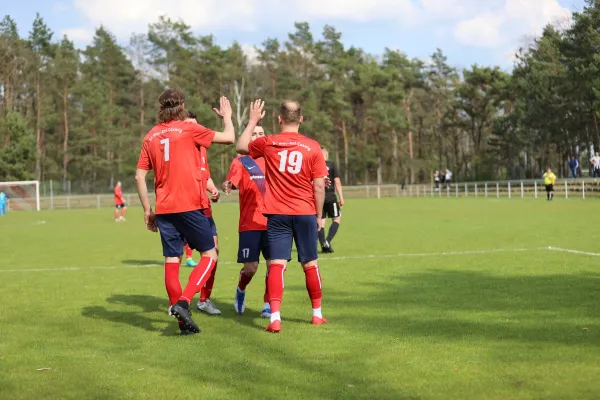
[
  {"x": 319, "y": 189},
  {"x": 256, "y": 114},
  {"x": 338, "y": 189},
  {"x": 142, "y": 188},
  {"x": 225, "y": 112},
  {"x": 212, "y": 189}
]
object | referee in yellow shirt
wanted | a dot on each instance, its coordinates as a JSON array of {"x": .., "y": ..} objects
[{"x": 549, "y": 181}]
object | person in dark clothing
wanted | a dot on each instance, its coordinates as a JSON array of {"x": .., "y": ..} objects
[
  {"x": 332, "y": 208},
  {"x": 573, "y": 166}
]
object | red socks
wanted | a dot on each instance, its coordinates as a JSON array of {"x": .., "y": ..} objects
[
  {"x": 275, "y": 286},
  {"x": 313, "y": 285},
  {"x": 188, "y": 251},
  {"x": 172, "y": 282},
  {"x": 266, "y": 296},
  {"x": 208, "y": 286},
  {"x": 244, "y": 280},
  {"x": 199, "y": 276}
]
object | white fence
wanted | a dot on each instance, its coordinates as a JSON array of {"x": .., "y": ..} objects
[{"x": 508, "y": 189}]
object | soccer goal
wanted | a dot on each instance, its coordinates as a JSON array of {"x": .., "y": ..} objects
[{"x": 22, "y": 196}]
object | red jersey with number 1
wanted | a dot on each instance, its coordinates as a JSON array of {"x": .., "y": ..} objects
[
  {"x": 205, "y": 172},
  {"x": 172, "y": 150},
  {"x": 292, "y": 161},
  {"x": 248, "y": 176}
]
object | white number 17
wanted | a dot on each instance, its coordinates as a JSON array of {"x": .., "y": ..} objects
[{"x": 166, "y": 143}]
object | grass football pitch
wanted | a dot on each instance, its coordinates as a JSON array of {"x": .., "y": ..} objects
[{"x": 426, "y": 299}]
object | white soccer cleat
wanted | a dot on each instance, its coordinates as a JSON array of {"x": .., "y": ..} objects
[{"x": 208, "y": 307}]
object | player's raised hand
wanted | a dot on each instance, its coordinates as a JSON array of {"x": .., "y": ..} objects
[
  {"x": 225, "y": 111},
  {"x": 257, "y": 112},
  {"x": 227, "y": 186},
  {"x": 150, "y": 220}
]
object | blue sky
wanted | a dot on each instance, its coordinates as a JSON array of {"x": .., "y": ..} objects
[{"x": 468, "y": 31}]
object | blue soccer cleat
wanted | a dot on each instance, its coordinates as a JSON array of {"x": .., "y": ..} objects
[
  {"x": 191, "y": 263},
  {"x": 240, "y": 301},
  {"x": 266, "y": 312}
]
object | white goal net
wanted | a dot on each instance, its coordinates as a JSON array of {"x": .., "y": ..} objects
[{"x": 21, "y": 196}]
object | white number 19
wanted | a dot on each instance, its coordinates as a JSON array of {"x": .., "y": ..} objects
[
  {"x": 166, "y": 143},
  {"x": 294, "y": 161}
]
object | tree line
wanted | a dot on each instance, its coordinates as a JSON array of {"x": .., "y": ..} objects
[{"x": 79, "y": 115}]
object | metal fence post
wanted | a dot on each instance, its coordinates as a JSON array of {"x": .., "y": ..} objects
[
  {"x": 583, "y": 189},
  {"x": 448, "y": 191},
  {"x": 566, "y": 190},
  {"x": 497, "y": 190},
  {"x": 51, "y": 196},
  {"x": 486, "y": 190},
  {"x": 466, "y": 190},
  {"x": 509, "y": 191},
  {"x": 368, "y": 194},
  {"x": 476, "y": 191},
  {"x": 535, "y": 189},
  {"x": 456, "y": 187},
  {"x": 522, "y": 190}
]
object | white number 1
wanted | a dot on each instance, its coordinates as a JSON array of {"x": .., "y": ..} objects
[
  {"x": 294, "y": 161},
  {"x": 166, "y": 143},
  {"x": 246, "y": 253}
]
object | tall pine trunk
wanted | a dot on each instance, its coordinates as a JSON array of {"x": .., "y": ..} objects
[
  {"x": 410, "y": 134},
  {"x": 38, "y": 127},
  {"x": 66, "y": 138}
]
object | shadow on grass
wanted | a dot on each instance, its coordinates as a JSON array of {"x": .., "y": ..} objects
[
  {"x": 459, "y": 304},
  {"x": 145, "y": 319}
]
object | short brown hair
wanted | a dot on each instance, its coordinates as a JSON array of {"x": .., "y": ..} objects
[
  {"x": 290, "y": 112},
  {"x": 171, "y": 106}
]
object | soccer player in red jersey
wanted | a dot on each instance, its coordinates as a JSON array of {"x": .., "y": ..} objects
[
  {"x": 294, "y": 197},
  {"x": 171, "y": 149},
  {"x": 119, "y": 203},
  {"x": 247, "y": 175}
]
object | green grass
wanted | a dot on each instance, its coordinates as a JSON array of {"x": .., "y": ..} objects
[{"x": 506, "y": 325}]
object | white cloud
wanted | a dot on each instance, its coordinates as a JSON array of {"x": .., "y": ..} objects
[
  {"x": 250, "y": 52},
  {"x": 505, "y": 22},
  {"x": 361, "y": 10},
  {"x": 79, "y": 35}
]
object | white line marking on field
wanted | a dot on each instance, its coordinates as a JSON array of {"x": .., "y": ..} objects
[
  {"x": 325, "y": 259},
  {"x": 584, "y": 253}
]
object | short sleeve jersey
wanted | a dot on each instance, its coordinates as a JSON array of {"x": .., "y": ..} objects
[
  {"x": 172, "y": 151},
  {"x": 292, "y": 161},
  {"x": 205, "y": 173},
  {"x": 333, "y": 173},
  {"x": 119, "y": 195},
  {"x": 248, "y": 176}
]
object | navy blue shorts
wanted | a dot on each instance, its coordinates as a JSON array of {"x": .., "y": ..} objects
[
  {"x": 302, "y": 229},
  {"x": 252, "y": 243},
  {"x": 213, "y": 226},
  {"x": 178, "y": 228}
]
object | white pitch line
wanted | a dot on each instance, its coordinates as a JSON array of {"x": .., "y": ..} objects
[
  {"x": 584, "y": 253},
  {"x": 325, "y": 259}
]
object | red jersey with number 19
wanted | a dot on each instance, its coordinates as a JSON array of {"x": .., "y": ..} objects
[
  {"x": 292, "y": 161},
  {"x": 249, "y": 179},
  {"x": 172, "y": 151}
]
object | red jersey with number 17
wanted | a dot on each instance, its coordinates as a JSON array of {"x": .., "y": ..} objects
[
  {"x": 292, "y": 161},
  {"x": 172, "y": 151},
  {"x": 248, "y": 176}
]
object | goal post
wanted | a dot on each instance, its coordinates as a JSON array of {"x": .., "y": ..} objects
[{"x": 22, "y": 195}]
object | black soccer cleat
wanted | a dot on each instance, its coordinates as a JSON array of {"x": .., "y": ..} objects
[
  {"x": 187, "y": 325},
  {"x": 328, "y": 247}
]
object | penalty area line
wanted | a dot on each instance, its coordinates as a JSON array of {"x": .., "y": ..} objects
[{"x": 325, "y": 259}]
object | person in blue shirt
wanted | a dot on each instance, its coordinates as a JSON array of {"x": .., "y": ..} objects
[
  {"x": 2, "y": 204},
  {"x": 573, "y": 166}
]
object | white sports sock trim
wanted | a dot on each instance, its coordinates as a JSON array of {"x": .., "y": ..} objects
[{"x": 205, "y": 271}]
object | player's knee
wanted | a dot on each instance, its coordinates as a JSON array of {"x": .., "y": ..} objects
[
  {"x": 250, "y": 268},
  {"x": 309, "y": 264},
  {"x": 338, "y": 219},
  {"x": 212, "y": 253},
  {"x": 169, "y": 260}
]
